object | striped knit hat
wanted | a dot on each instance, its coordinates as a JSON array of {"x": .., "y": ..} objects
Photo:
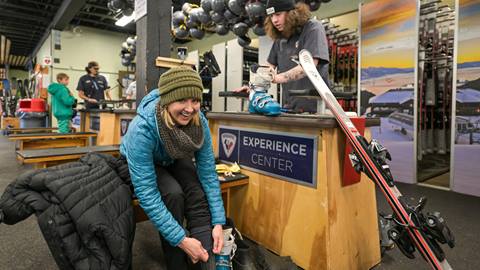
[{"x": 179, "y": 83}]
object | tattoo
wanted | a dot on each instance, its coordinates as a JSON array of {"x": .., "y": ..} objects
[{"x": 294, "y": 74}]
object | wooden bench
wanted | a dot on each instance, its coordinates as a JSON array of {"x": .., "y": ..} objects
[
  {"x": 9, "y": 131},
  {"x": 51, "y": 140},
  {"x": 225, "y": 186},
  {"x": 43, "y": 158}
]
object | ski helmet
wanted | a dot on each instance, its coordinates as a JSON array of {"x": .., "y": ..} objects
[
  {"x": 127, "y": 11},
  {"x": 218, "y": 5},
  {"x": 255, "y": 9},
  {"x": 216, "y": 17},
  {"x": 259, "y": 30},
  {"x": 229, "y": 15},
  {"x": 240, "y": 29},
  {"x": 181, "y": 32},
  {"x": 203, "y": 16},
  {"x": 117, "y": 4},
  {"x": 244, "y": 41},
  {"x": 196, "y": 33},
  {"x": 206, "y": 5},
  {"x": 186, "y": 7},
  {"x": 236, "y": 7},
  {"x": 314, "y": 5},
  {"x": 178, "y": 18},
  {"x": 131, "y": 41},
  {"x": 221, "y": 29},
  {"x": 190, "y": 22}
]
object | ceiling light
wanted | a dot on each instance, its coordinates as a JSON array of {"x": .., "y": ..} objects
[{"x": 124, "y": 20}]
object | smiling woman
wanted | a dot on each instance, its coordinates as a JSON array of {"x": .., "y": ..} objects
[{"x": 167, "y": 133}]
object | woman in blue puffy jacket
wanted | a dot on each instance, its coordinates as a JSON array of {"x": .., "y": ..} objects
[{"x": 161, "y": 142}]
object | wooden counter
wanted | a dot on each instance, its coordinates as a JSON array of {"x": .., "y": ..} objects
[
  {"x": 322, "y": 227},
  {"x": 110, "y": 124}
]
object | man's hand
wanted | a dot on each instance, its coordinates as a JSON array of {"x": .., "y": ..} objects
[
  {"x": 92, "y": 100},
  {"x": 194, "y": 249},
  {"x": 217, "y": 235},
  {"x": 244, "y": 88},
  {"x": 279, "y": 78}
]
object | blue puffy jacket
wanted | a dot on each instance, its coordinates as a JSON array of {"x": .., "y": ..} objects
[{"x": 143, "y": 148}]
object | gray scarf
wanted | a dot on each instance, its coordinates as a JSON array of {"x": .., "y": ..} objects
[{"x": 180, "y": 141}]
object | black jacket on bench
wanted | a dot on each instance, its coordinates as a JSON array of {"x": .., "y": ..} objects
[{"x": 84, "y": 211}]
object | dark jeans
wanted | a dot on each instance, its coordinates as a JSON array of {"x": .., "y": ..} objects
[{"x": 184, "y": 198}]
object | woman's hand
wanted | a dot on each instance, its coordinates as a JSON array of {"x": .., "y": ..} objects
[
  {"x": 194, "y": 249},
  {"x": 217, "y": 235}
]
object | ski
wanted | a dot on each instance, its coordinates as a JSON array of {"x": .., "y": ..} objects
[{"x": 411, "y": 228}]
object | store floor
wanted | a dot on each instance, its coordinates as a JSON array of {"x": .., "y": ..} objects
[{"x": 22, "y": 246}]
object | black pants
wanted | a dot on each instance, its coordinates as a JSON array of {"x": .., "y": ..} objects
[{"x": 184, "y": 198}]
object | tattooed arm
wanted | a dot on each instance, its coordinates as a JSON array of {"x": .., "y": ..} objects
[{"x": 292, "y": 74}]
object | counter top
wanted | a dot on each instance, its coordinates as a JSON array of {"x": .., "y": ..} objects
[
  {"x": 109, "y": 110},
  {"x": 321, "y": 121}
]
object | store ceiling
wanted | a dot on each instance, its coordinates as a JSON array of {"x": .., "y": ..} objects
[{"x": 26, "y": 23}]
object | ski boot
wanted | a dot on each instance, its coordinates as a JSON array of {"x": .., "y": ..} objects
[
  {"x": 262, "y": 103},
  {"x": 223, "y": 260}
]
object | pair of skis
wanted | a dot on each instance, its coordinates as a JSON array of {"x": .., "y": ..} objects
[{"x": 410, "y": 228}]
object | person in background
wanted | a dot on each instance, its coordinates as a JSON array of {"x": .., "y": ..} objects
[
  {"x": 292, "y": 29},
  {"x": 161, "y": 142},
  {"x": 93, "y": 87},
  {"x": 62, "y": 102}
]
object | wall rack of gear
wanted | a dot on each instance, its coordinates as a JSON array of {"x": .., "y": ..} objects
[{"x": 435, "y": 72}]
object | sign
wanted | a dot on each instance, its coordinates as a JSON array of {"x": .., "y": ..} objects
[
  {"x": 124, "y": 123},
  {"x": 140, "y": 9},
  {"x": 47, "y": 61},
  {"x": 95, "y": 123},
  {"x": 288, "y": 156}
]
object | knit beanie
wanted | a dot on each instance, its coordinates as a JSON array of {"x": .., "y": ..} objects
[
  {"x": 274, "y": 6},
  {"x": 179, "y": 83}
]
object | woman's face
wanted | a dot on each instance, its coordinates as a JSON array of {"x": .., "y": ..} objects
[{"x": 182, "y": 111}]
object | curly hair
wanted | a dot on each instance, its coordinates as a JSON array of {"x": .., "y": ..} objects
[{"x": 296, "y": 19}]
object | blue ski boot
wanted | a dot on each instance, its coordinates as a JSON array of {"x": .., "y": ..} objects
[
  {"x": 262, "y": 103},
  {"x": 223, "y": 260}
]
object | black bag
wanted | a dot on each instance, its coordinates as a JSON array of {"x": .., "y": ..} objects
[{"x": 251, "y": 256}]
